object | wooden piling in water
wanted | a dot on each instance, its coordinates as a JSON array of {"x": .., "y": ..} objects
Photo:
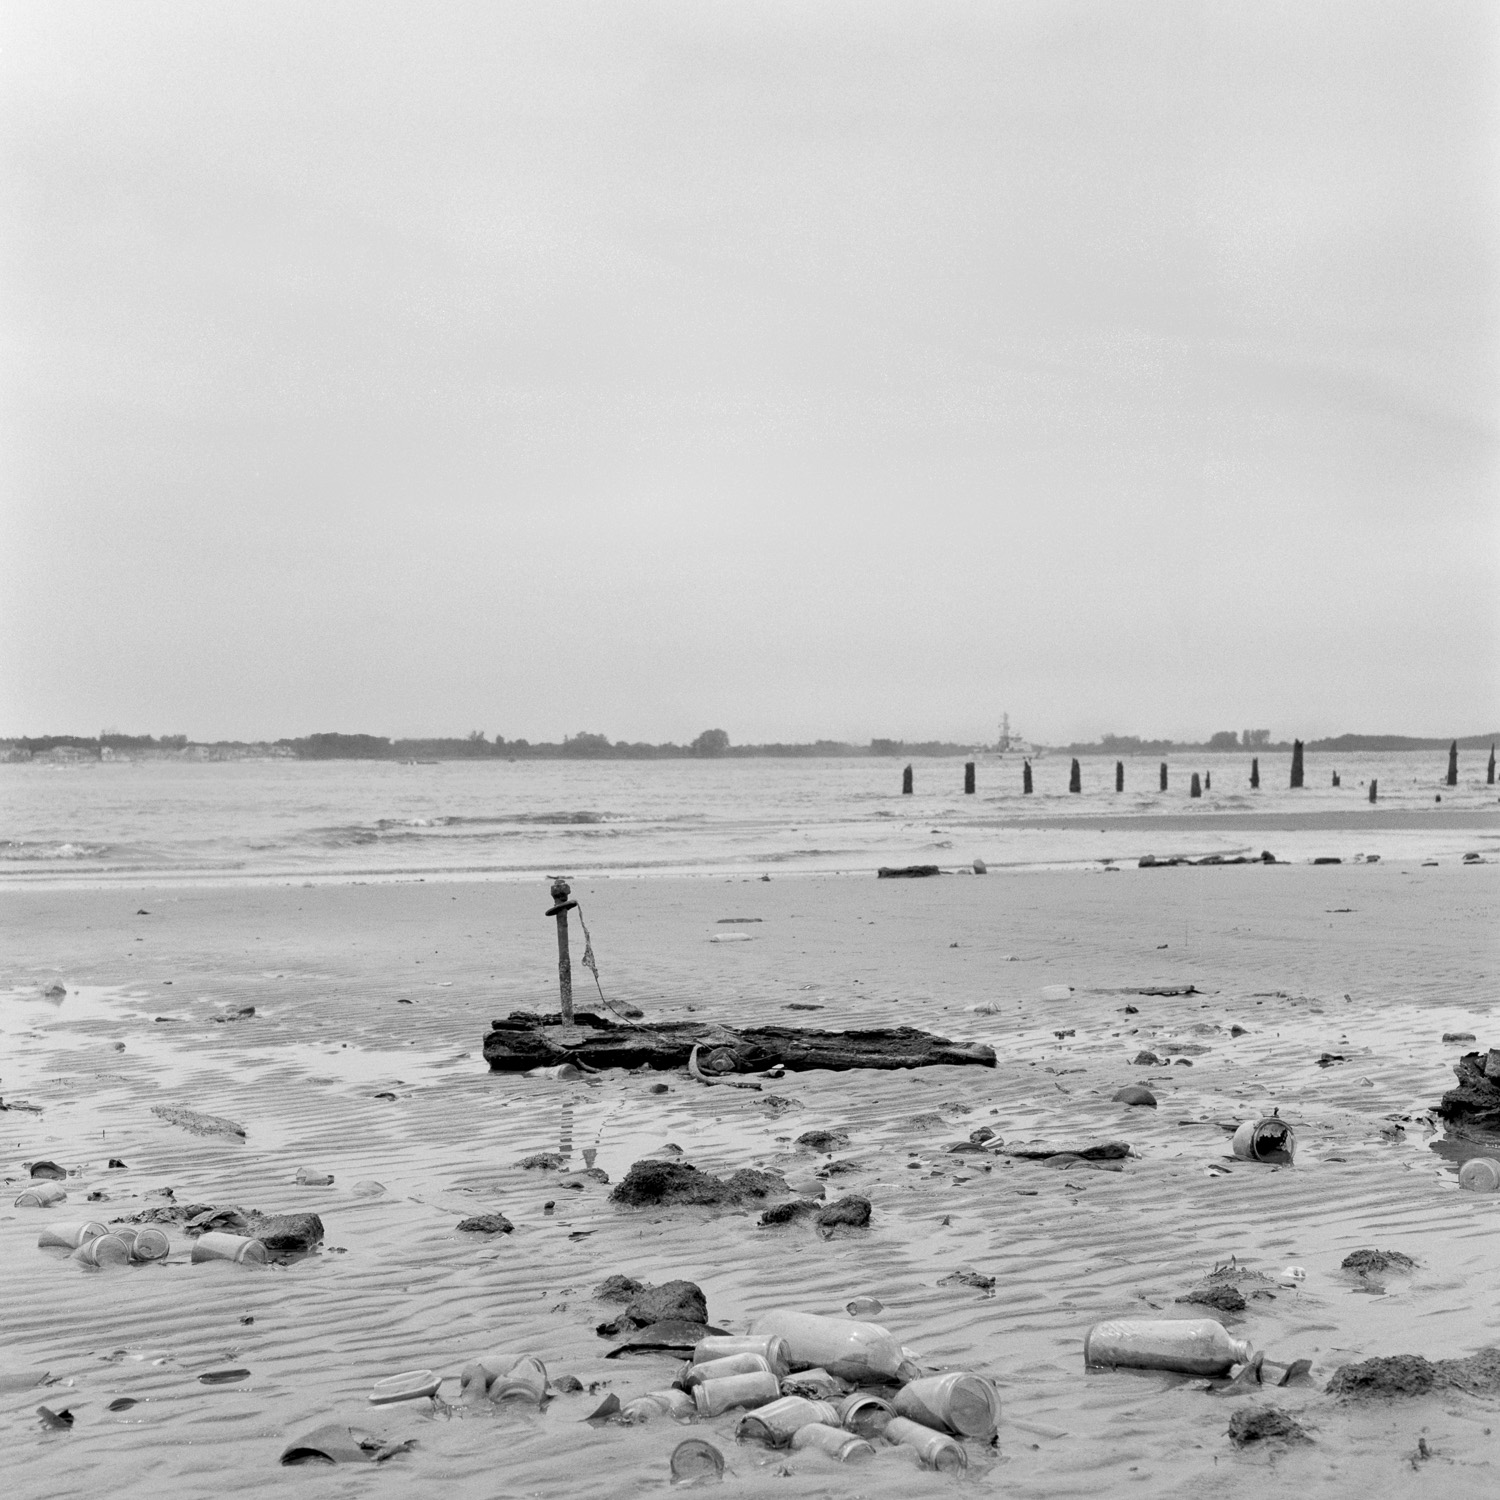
[
  {"x": 1336, "y": 778},
  {"x": 1026, "y": 778},
  {"x": 560, "y": 908},
  {"x": 906, "y": 782},
  {"x": 1373, "y": 785},
  {"x": 1489, "y": 775},
  {"x": 1452, "y": 778},
  {"x": 1255, "y": 772},
  {"x": 1296, "y": 763},
  {"x": 1164, "y": 776},
  {"x": 968, "y": 778},
  {"x": 1075, "y": 778},
  {"x": 1208, "y": 781},
  {"x": 1195, "y": 787},
  {"x": 1119, "y": 775}
]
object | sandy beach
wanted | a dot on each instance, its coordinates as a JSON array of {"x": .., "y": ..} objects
[{"x": 1370, "y": 962}]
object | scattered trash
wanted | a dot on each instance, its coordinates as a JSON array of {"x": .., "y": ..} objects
[
  {"x": 1480, "y": 1174},
  {"x": 337, "y": 1443},
  {"x": 1197, "y": 1347},
  {"x": 311, "y": 1177},
  {"x": 963, "y": 1404},
  {"x": 105, "y": 1250},
  {"x": 60, "y": 1421},
  {"x": 850, "y": 1349},
  {"x": 1458, "y": 1036},
  {"x": 504, "y": 1377},
  {"x": 844, "y": 1447},
  {"x": 770, "y": 1347},
  {"x": 122, "y": 1403},
  {"x": 756, "y": 1388},
  {"x": 865, "y": 1414},
  {"x": 936, "y": 1449},
  {"x": 411, "y": 1385},
  {"x": 695, "y": 1372},
  {"x": 1269, "y": 1140},
  {"x": 47, "y": 1171},
  {"x": 692, "y": 1458},
  {"x": 1262, "y": 1423},
  {"x": 1039, "y": 1151},
  {"x": 234, "y": 1247},
  {"x": 227, "y": 1375},
  {"x": 367, "y": 1188},
  {"x": 864, "y": 1307},
  {"x": 70, "y": 1236},
  {"x": 669, "y": 1403},
  {"x": 906, "y": 872}
]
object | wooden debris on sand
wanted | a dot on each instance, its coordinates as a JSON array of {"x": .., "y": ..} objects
[{"x": 524, "y": 1040}]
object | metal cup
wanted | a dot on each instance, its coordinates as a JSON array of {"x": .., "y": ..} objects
[{"x": 1270, "y": 1139}]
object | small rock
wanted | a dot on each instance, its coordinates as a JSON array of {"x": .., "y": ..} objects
[
  {"x": 1135, "y": 1093},
  {"x": 115, "y": 1162},
  {"x": 852, "y": 1209},
  {"x": 486, "y": 1224},
  {"x": 823, "y": 1140},
  {"x": 566, "y": 1385},
  {"x": 1146, "y": 1060},
  {"x": 1260, "y": 1423},
  {"x": 674, "y": 1182},
  {"x": 618, "y": 1288},
  {"x": 966, "y": 1277},
  {"x": 543, "y": 1160},
  {"x": 1458, "y": 1036},
  {"x": 983, "y": 1134},
  {"x": 671, "y": 1302},
  {"x": 786, "y": 1213},
  {"x": 659, "y": 1088}
]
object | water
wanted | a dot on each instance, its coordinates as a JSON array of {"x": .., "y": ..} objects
[{"x": 278, "y": 819}]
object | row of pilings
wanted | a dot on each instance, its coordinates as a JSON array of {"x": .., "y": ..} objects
[{"x": 1198, "y": 784}]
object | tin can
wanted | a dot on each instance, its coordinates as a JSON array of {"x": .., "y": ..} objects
[
  {"x": 1270, "y": 1139},
  {"x": 217, "y": 1245}
]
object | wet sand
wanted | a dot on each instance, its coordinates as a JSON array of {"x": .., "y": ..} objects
[{"x": 1371, "y": 962}]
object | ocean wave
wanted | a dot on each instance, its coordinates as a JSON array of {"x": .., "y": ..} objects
[{"x": 41, "y": 849}]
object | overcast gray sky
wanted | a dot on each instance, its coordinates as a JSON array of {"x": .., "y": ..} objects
[{"x": 802, "y": 369}]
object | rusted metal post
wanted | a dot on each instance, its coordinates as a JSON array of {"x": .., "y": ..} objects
[{"x": 560, "y": 908}]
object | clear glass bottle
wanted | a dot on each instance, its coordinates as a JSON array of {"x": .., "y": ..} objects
[
  {"x": 1196, "y": 1346},
  {"x": 844, "y": 1347}
]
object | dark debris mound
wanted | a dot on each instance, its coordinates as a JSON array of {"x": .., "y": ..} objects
[
  {"x": 657, "y": 1183},
  {"x": 852, "y": 1209},
  {"x": 618, "y": 1288},
  {"x": 1261, "y": 1423},
  {"x": 1412, "y": 1375},
  {"x": 1219, "y": 1294},
  {"x": 1377, "y": 1262},
  {"x": 823, "y": 1140},
  {"x": 1476, "y": 1101},
  {"x": 486, "y": 1224},
  {"x": 671, "y": 1302}
]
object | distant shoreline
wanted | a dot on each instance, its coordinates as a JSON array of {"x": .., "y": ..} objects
[{"x": 711, "y": 745}]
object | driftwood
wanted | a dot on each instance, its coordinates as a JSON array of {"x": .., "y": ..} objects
[{"x": 524, "y": 1040}]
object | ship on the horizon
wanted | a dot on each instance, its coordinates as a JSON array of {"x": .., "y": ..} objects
[{"x": 1009, "y": 744}]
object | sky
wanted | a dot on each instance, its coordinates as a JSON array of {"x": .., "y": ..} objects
[{"x": 807, "y": 369}]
